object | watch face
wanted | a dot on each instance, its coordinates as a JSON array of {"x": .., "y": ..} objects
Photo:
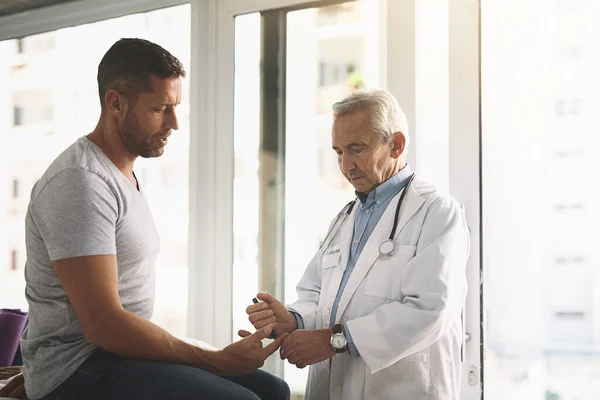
[{"x": 338, "y": 341}]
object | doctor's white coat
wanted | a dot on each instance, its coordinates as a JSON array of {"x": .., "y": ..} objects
[{"x": 403, "y": 311}]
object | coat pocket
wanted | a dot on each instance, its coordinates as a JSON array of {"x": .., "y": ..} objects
[
  {"x": 331, "y": 257},
  {"x": 408, "y": 379},
  {"x": 384, "y": 277}
]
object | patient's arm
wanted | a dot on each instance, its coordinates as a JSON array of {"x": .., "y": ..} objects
[{"x": 91, "y": 283}]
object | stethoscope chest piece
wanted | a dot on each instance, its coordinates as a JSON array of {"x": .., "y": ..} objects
[{"x": 387, "y": 248}]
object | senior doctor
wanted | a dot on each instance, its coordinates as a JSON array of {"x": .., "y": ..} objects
[{"x": 379, "y": 309}]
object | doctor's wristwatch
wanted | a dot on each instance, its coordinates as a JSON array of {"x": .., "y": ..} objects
[{"x": 338, "y": 339}]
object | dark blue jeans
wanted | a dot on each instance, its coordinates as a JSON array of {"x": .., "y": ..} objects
[{"x": 106, "y": 376}]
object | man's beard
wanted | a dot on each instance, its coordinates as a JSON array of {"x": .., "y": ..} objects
[{"x": 137, "y": 140}]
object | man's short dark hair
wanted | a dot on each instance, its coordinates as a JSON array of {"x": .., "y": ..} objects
[{"x": 128, "y": 65}]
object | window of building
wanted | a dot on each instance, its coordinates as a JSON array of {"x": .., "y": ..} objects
[
  {"x": 559, "y": 107},
  {"x": 573, "y": 260},
  {"x": 569, "y": 207},
  {"x": 570, "y": 106},
  {"x": 15, "y": 188},
  {"x": 574, "y": 106},
  {"x": 13, "y": 260},
  {"x": 17, "y": 116},
  {"x": 569, "y": 315},
  {"x": 20, "y": 46},
  {"x": 32, "y": 106}
]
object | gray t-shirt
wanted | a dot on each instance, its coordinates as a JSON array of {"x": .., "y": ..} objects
[{"x": 83, "y": 205}]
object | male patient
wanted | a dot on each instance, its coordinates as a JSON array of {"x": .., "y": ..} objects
[{"x": 91, "y": 249}]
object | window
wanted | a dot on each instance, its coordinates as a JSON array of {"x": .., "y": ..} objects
[
  {"x": 574, "y": 52},
  {"x": 540, "y": 218},
  {"x": 322, "y": 73},
  {"x": 575, "y": 106},
  {"x": 20, "y": 46},
  {"x": 570, "y": 328},
  {"x": 559, "y": 107},
  {"x": 568, "y": 207},
  {"x": 48, "y": 120},
  {"x": 569, "y": 153},
  {"x": 15, "y": 188},
  {"x": 17, "y": 116},
  {"x": 47, "y": 113},
  {"x": 13, "y": 260},
  {"x": 42, "y": 43},
  {"x": 32, "y": 106},
  {"x": 566, "y": 5},
  {"x": 575, "y": 260},
  {"x": 564, "y": 107},
  {"x": 569, "y": 315}
]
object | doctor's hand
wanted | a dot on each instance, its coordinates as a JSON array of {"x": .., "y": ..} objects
[
  {"x": 246, "y": 355},
  {"x": 270, "y": 312},
  {"x": 307, "y": 347}
]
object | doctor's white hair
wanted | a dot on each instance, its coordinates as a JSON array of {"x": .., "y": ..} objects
[{"x": 387, "y": 117}]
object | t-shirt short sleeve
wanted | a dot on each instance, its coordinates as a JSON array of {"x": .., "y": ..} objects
[{"x": 76, "y": 214}]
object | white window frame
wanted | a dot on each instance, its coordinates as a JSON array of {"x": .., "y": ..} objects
[{"x": 211, "y": 145}]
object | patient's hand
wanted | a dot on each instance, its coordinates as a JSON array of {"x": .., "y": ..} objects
[
  {"x": 248, "y": 354},
  {"x": 270, "y": 312}
]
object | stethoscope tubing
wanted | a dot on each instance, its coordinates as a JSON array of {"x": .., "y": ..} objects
[{"x": 386, "y": 248}]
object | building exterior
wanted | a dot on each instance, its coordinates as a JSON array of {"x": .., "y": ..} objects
[{"x": 540, "y": 206}]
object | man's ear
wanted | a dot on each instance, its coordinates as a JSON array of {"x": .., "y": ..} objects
[
  {"x": 115, "y": 103},
  {"x": 398, "y": 144}
]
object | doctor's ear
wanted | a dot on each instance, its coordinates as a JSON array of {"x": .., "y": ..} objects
[{"x": 398, "y": 144}]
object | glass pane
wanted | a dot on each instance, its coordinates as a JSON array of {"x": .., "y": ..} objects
[
  {"x": 45, "y": 106},
  {"x": 332, "y": 52},
  {"x": 246, "y": 151},
  {"x": 541, "y": 213}
]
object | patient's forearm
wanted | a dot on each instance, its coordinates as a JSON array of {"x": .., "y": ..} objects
[{"x": 129, "y": 335}]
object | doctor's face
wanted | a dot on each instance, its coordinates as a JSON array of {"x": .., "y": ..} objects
[{"x": 363, "y": 158}]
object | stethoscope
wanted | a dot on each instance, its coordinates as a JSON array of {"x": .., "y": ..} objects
[{"x": 386, "y": 248}]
